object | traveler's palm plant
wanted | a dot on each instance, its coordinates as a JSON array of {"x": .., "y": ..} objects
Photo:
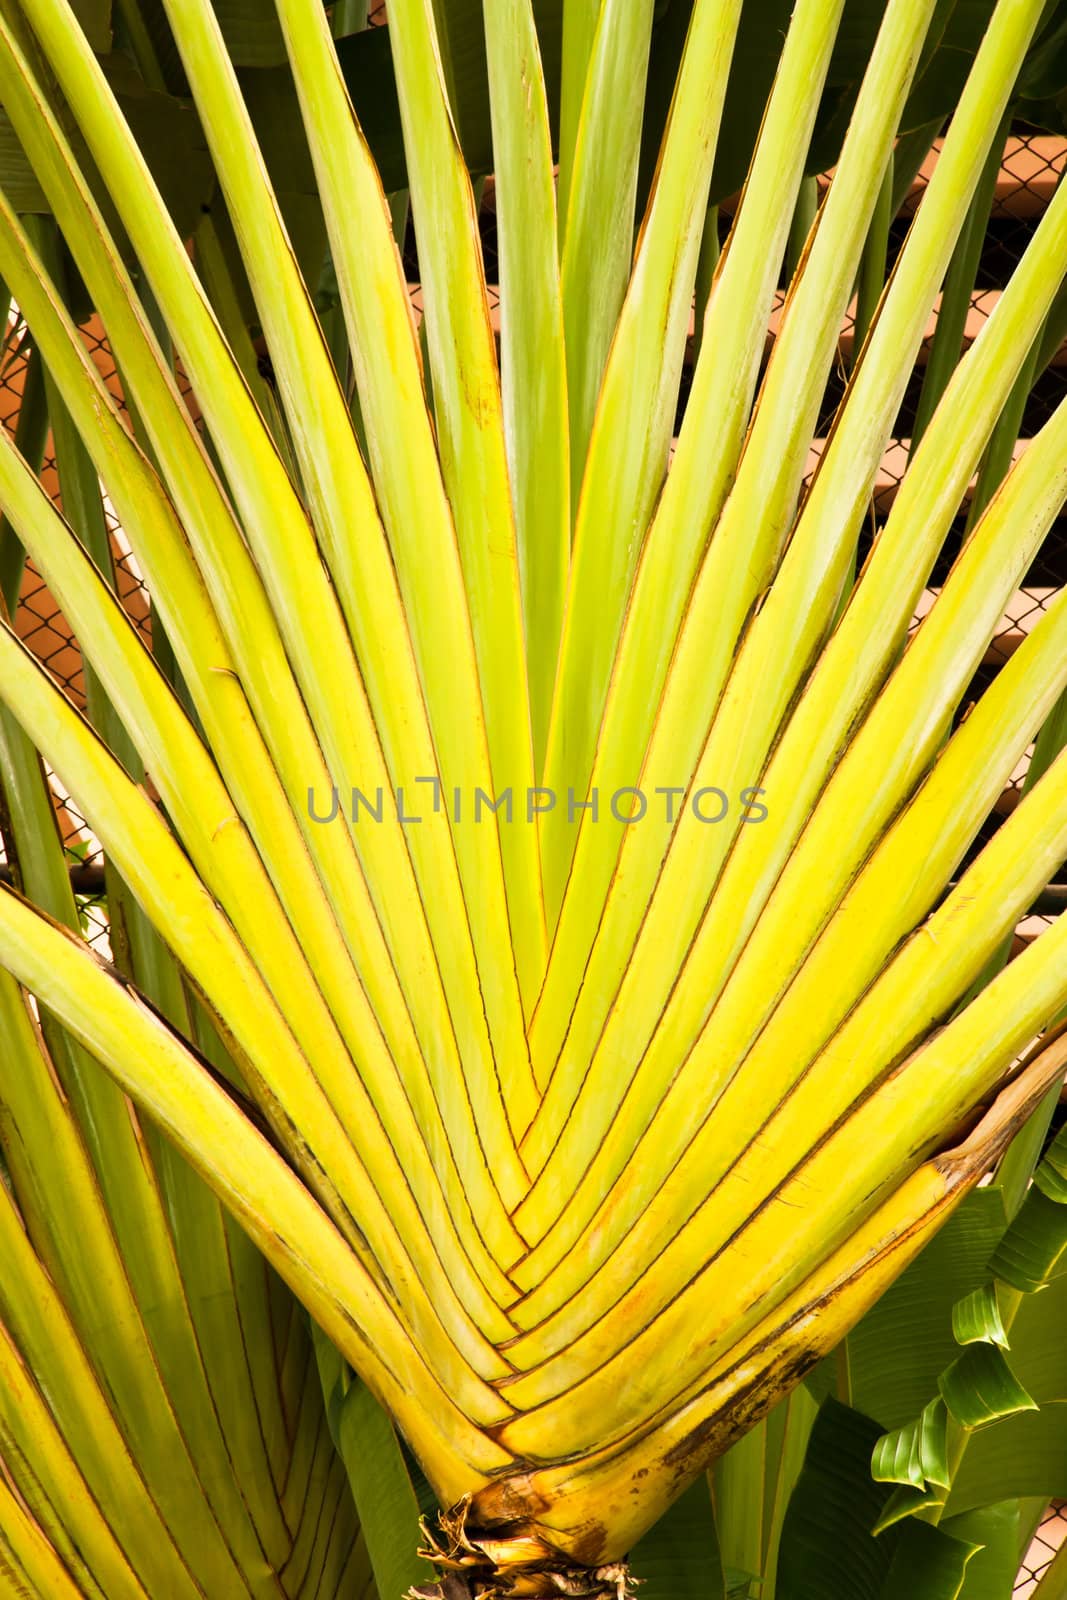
[{"x": 533, "y": 840}]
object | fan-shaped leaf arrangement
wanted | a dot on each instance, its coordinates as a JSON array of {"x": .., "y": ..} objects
[{"x": 545, "y": 831}]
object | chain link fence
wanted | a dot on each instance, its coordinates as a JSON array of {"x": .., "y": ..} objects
[{"x": 1044, "y": 1546}]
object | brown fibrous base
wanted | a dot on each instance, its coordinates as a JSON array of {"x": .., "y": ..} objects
[{"x": 476, "y": 1565}]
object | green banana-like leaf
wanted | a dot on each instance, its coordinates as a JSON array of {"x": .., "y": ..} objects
[
  {"x": 980, "y": 1387},
  {"x": 928, "y": 1562},
  {"x": 1033, "y": 1249},
  {"x": 986, "y": 1385},
  {"x": 828, "y": 1544},
  {"x": 1020, "y": 1457},
  {"x": 679, "y": 1558},
  {"x": 978, "y": 1318},
  {"x": 384, "y": 1498},
  {"x": 917, "y": 1454},
  {"x": 999, "y": 1531},
  {"x": 751, "y": 1489},
  {"x": 1036, "y": 1353}
]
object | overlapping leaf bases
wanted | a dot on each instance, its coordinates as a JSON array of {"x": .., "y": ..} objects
[{"x": 583, "y": 1124}]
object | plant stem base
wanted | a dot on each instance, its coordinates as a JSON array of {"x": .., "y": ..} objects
[{"x": 477, "y": 1565}]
